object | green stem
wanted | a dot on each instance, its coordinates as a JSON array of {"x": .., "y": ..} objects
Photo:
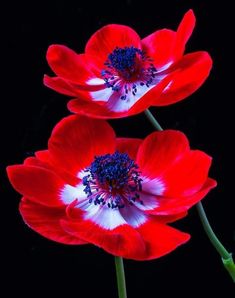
[
  {"x": 227, "y": 258},
  {"x": 154, "y": 121},
  {"x": 213, "y": 238},
  {"x": 121, "y": 283},
  {"x": 225, "y": 255}
]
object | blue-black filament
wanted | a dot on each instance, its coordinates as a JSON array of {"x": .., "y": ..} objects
[
  {"x": 130, "y": 64},
  {"x": 113, "y": 179},
  {"x": 123, "y": 58}
]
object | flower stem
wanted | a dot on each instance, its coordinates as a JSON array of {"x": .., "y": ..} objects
[
  {"x": 154, "y": 121},
  {"x": 227, "y": 258},
  {"x": 120, "y": 273}
]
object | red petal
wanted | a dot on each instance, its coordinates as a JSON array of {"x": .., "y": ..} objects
[
  {"x": 168, "y": 218},
  {"x": 76, "y": 140},
  {"x": 38, "y": 184},
  {"x": 84, "y": 105},
  {"x": 184, "y": 32},
  {"x": 149, "y": 98},
  {"x": 174, "y": 205},
  {"x": 98, "y": 109},
  {"x": 43, "y": 155},
  {"x": 160, "y": 239},
  {"x": 187, "y": 175},
  {"x": 69, "y": 65},
  {"x": 92, "y": 109},
  {"x": 122, "y": 241},
  {"x": 106, "y": 39},
  {"x": 167, "y": 46},
  {"x": 129, "y": 146},
  {"x": 33, "y": 161},
  {"x": 59, "y": 85},
  {"x": 192, "y": 71},
  {"x": 163, "y": 149},
  {"x": 70, "y": 88},
  {"x": 46, "y": 221},
  {"x": 43, "y": 160}
]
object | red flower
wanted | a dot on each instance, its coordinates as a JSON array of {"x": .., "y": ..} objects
[
  {"x": 116, "y": 193},
  {"x": 120, "y": 75}
]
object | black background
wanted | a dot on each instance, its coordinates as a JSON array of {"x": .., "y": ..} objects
[{"x": 37, "y": 267}]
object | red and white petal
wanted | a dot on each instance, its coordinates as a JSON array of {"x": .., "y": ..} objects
[
  {"x": 112, "y": 99},
  {"x": 148, "y": 197},
  {"x": 69, "y": 65},
  {"x": 105, "y": 40},
  {"x": 92, "y": 109},
  {"x": 133, "y": 216},
  {"x": 115, "y": 107},
  {"x": 96, "y": 82},
  {"x": 81, "y": 208},
  {"x": 190, "y": 73},
  {"x": 37, "y": 184},
  {"x": 148, "y": 99},
  {"x": 46, "y": 221},
  {"x": 153, "y": 186},
  {"x": 163, "y": 149},
  {"x": 116, "y": 104},
  {"x": 104, "y": 216},
  {"x": 121, "y": 241},
  {"x": 43, "y": 160},
  {"x": 160, "y": 239},
  {"x": 70, "y": 88},
  {"x": 187, "y": 175},
  {"x": 60, "y": 85},
  {"x": 146, "y": 201},
  {"x": 175, "y": 205},
  {"x": 143, "y": 97},
  {"x": 76, "y": 140},
  {"x": 69, "y": 193},
  {"x": 104, "y": 95},
  {"x": 129, "y": 146}
]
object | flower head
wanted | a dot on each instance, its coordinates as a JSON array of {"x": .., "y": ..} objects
[
  {"x": 116, "y": 193},
  {"x": 120, "y": 75}
]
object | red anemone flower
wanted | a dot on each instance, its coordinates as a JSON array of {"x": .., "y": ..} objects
[
  {"x": 120, "y": 75},
  {"x": 116, "y": 193}
]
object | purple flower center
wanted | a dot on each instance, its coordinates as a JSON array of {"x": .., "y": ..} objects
[
  {"x": 124, "y": 59},
  {"x": 126, "y": 69},
  {"x": 112, "y": 180}
]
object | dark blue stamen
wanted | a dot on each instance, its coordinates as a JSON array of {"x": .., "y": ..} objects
[
  {"x": 131, "y": 65},
  {"x": 123, "y": 58},
  {"x": 113, "y": 179}
]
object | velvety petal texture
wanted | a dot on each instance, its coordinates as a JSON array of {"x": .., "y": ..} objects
[
  {"x": 46, "y": 221},
  {"x": 119, "y": 194},
  {"x": 120, "y": 75}
]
